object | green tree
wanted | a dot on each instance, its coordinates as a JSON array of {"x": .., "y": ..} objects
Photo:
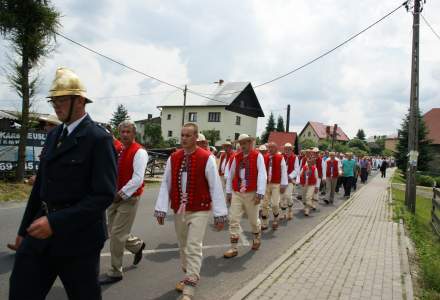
[
  {"x": 358, "y": 143},
  {"x": 270, "y": 126},
  {"x": 324, "y": 145},
  {"x": 341, "y": 147},
  {"x": 29, "y": 26},
  {"x": 153, "y": 135},
  {"x": 402, "y": 146},
  {"x": 280, "y": 124},
  {"x": 119, "y": 116},
  {"x": 307, "y": 143},
  {"x": 361, "y": 134},
  {"x": 212, "y": 136}
]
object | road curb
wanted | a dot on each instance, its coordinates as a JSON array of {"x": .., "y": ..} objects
[{"x": 254, "y": 283}]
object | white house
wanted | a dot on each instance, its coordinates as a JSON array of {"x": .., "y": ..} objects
[{"x": 231, "y": 108}]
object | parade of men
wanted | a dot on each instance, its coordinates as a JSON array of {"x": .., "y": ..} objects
[
  {"x": 192, "y": 187},
  {"x": 64, "y": 227},
  {"x": 132, "y": 162},
  {"x": 292, "y": 162},
  {"x": 245, "y": 189},
  {"x": 277, "y": 182}
]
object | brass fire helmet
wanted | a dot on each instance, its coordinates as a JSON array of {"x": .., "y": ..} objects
[{"x": 67, "y": 83}]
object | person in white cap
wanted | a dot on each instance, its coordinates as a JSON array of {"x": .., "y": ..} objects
[
  {"x": 245, "y": 188},
  {"x": 202, "y": 142},
  {"x": 308, "y": 178},
  {"x": 293, "y": 169},
  {"x": 276, "y": 169},
  {"x": 225, "y": 162},
  {"x": 332, "y": 171},
  {"x": 262, "y": 149},
  {"x": 191, "y": 186}
]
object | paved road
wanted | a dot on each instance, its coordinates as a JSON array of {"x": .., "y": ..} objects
[{"x": 156, "y": 275}]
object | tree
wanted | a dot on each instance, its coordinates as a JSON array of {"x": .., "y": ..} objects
[
  {"x": 324, "y": 145},
  {"x": 280, "y": 124},
  {"x": 212, "y": 136},
  {"x": 270, "y": 126},
  {"x": 307, "y": 144},
  {"x": 402, "y": 146},
  {"x": 29, "y": 26},
  {"x": 119, "y": 116},
  {"x": 358, "y": 143},
  {"x": 341, "y": 147},
  {"x": 153, "y": 135},
  {"x": 361, "y": 134}
]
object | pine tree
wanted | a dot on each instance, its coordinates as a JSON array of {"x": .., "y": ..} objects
[
  {"x": 119, "y": 116},
  {"x": 270, "y": 126},
  {"x": 280, "y": 124},
  {"x": 402, "y": 146},
  {"x": 361, "y": 134}
]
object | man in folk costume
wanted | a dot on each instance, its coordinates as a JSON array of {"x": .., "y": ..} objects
[
  {"x": 308, "y": 178},
  {"x": 203, "y": 143},
  {"x": 225, "y": 162},
  {"x": 245, "y": 188},
  {"x": 318, "y": 162},
  {"x": 132, "y": 163},
  {"x": 263, "y": 149},
  {"x": 292, "y": 162},
  {"x": 191, "y": 185},
  {"x": 276, "y": 169},
  {"x": 332, "y": 171}
]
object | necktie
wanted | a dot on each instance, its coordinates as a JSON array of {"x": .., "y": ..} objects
[{"x": 62, "y": 136}]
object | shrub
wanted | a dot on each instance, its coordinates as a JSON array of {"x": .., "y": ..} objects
[{"x": 424, "y": 180}]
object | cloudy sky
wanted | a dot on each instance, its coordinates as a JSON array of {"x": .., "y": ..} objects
[{"x": 365, "y": 84}]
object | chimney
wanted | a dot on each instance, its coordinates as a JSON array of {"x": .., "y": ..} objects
[
  {"x": 220, "y": 81},
  {"x": 150, "y": 116}
]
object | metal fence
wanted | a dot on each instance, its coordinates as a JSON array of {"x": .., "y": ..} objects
[{"x": 435, "y": 213}]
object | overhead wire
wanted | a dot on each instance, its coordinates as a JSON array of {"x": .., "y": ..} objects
[{"x": 430, "y": 26}]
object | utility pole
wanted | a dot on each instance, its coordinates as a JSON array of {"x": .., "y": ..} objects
[
  {"x": 184, "y": 104},
  {"x": 288, "y": 118},
  {"x": 335, "y": 129},
  {"x": 413, "y": 128}
]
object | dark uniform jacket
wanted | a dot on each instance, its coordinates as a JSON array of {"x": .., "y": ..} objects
[{"x": 78, "y": 182}]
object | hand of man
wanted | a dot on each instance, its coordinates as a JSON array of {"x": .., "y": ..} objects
[
  {"x": 40, "y": 228},
  {"x": 316, "y": 189},
  {"x": 117, "y": 199},
  {"x": 220, "y": 226},
  {"x": 257, "y": 200},
  {"x": 229, "y": 198},
  {"x": 160, "y": 220},
  {"x": 17, "y": 244}
]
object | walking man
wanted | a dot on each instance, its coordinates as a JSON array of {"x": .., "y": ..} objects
[
  {"x": 191, "y": 186},
  {"x": 383, "y": 168},
  {"x": 348, "y": 173},
  {"x": 332, "y": 170},
  {"x": 292, "y": 162},
  {"x": 245, "y": 189},
  {"x": 308, "y": 178},
  {"x": 121, "y": 214},
  {"x": 225, "y": 162},
  {"x": 63, "y": 228},
  {"x": 276, "y": 185}
]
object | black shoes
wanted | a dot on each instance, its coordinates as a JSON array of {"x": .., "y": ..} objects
[
  {"x": 138, "y": 255},
  {"x": 109, "y": 280}
]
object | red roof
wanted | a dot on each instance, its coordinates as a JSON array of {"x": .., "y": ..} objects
[
  {"x": 280, "y": 138},
  {"x": 321, "y": 131},
  {"x": 432, "y": 122}
]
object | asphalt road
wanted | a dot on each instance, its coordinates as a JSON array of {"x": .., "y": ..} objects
[{"x": 156, "y": 275}]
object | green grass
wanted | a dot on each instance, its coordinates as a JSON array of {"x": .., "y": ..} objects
[
  {"x": 398, "y": 177},
  {"x": 14, "y": 191},
  {"x": 427, "y": 243}
]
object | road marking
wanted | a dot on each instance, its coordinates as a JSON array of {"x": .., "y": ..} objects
[{"x": 166, "y": 250}]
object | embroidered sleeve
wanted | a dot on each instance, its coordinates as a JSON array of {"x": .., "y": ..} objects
[
  {"x": 160, "y": 214},
  {"x": 220, "y": 220}
]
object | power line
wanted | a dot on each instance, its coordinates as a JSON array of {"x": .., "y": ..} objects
[{"x": 430, "y": 26}]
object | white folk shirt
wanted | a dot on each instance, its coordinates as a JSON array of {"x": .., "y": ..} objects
[
  {"x": 261, "y": 179},
  {"x": 324, "y": 168},
  {"x": 316, "y": 176},
  {"x": 215, "y": 188},
  {"x": 140, "y": 161},
  {"x": 296, "y": 170}
]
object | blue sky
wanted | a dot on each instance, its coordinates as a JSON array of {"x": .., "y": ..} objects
[{"x": 363, "y": 85}]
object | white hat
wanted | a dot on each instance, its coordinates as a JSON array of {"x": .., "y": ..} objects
[
  {"x": 244, "y": 137},
  {"x": 201, "y": 138},
  {"x": 288, "y": 145},
  {"x": 315, "y": 149},
  {"x": 262, "y": 148},
  {"x": 227, "y": 143}
]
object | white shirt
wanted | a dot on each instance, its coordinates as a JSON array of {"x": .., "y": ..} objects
[
  {"x": 324, "y": 168},
  {"x": 261, "y": 179},
  {"x": 215, "y": 188},
  {"x": 73, "y": 125},
  {"x": 140, "y": 161},
  {"x": 295, "y": 172}
]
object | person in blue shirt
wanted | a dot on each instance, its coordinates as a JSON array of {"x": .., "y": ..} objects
[{"x": 348, "y": 173}]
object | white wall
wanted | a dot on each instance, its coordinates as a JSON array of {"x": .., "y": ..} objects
[
  {"x": 226, "y": 125},
  {"x": 305, "y": 134}
]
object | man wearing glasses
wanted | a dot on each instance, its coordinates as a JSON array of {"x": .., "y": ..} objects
[{"x": 63, "y": 228}]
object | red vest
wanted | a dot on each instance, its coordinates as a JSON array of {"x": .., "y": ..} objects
[
  {"x": 290, "y": 161},
  {"x": 303, "y": 161},
  {"x": 251, "y": 173},
  {"x": 335, "y": 164},
  {"x": 199, "y": 198},
  {"x": 228, "y": 157},
  {"x": 312, "y": 178},
  {"x": 319, "y": 166},
  {"x": 276, "y": 167},
  {"x": 118, "y": 146},
  {"x": 125, "y": 167}
]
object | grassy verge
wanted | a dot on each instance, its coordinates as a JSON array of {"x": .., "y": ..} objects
[
  {"x": 427, "y": 244},
  {"x": 14, "y": 191},
  {"x": 398, "y": 177}
]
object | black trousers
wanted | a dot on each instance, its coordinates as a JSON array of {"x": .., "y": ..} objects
[
  {"x": 384, "y": 173},
  {"x": 348, "y": 183},
  {"x": 364, "y": 175},
  {"x": 34, "y": 274}
]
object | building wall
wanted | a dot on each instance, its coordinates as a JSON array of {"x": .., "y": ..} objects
[
  {"x": 391, "y": 144},
  {"x": 227, "y": 126},
  {"x": 310, "y": 134}
]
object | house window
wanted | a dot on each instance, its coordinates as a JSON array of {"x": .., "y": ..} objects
[
  {"x": 237, "y": 120},
  {"x": 170, "y": 133},
  {"x": 169, "y": 117},
  {"x": 237, "y": 135},
  {"x": 309, "y": 134},
  {"x": 192, "y": 117},
  {"x": 214, "y": 117}
]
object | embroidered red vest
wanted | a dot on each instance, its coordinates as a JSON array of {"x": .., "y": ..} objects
[
  {"x": 276, "y": 167},
  {"x": 118, "y": 146},
  {"x": 328, "y": 169},
  {"x": 228, "y": 156},
  {"x": 290, "y": 161},
  {"x": 199, "y": 198},
  {"x": 125, "y": 167},
  {"x": 312, "y": 178},
  {"x": 251, "y": 173},
  {"x": 319, "y": 166}
]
